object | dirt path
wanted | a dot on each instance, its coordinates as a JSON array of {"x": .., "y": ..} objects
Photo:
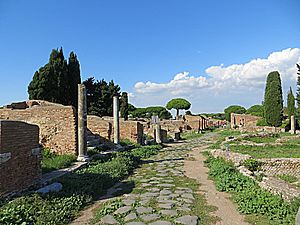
[{"x": 226, "y": 211}]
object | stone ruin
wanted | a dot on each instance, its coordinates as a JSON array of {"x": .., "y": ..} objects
[
  {"x": 57, "y": 123},
  {"x": 20, "y": 155}
]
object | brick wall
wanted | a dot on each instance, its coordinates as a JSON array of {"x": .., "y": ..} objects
[
  {"x": 57, "y": 124},
  {"x": 103, "y": 127},
  {"x": 100, "y": 127},
  {"x": 243, "y": 120},
  {"x": 19, "y": 171}
]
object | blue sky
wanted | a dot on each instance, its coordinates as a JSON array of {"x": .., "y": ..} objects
[{"x": 135, "y": 41}]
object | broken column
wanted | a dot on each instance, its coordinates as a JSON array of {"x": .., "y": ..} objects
[
  {"x": 116, "y": 120},
  {"x": 82, "y": 124},
  {"x": 158, "y": 133},
  {"x": 293, "y": 129}
]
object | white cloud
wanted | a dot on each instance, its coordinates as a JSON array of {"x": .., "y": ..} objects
[{"x": 236, "y": 83}]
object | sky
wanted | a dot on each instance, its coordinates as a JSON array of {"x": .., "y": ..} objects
[{"x": 214, "y": 53}]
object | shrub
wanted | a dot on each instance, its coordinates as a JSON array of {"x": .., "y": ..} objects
[
  {"x": 146, "y": 151},
  {"x": 261, "y": 122},
  {"x": 233, "y": 109},
  {"x": 252, "y": 164}
]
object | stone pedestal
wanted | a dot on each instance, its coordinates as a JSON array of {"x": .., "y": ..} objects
[
  {"x": 82, "y": 124},
  {"x": 293, "y": 127},
  {"x": 116, "y": 120},
  {"x": 158, "y": 134}
]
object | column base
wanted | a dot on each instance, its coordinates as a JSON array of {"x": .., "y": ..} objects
[{"x": 83, "y": 158}]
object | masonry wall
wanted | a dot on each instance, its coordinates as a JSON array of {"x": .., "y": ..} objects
[
  {"x": 100, "y": 127},
  {"x": 57, "y": 125},
  {"x": 21, "y": 141},
  {"x": 131, "y": 130},
  {"x": 290, "y": 166},
  {"x": 243, "y": 120}
]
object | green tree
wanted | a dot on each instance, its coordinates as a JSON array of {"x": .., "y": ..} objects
[
  {"x": 233, "y": 109},
  {"x": 57, "y": 80},
  {"x": 74, "y": 78},
  {"x": 290, "y": 103},
  {"x": 298, "y": 87},
  {"x": 178, "y": 103},
  {"x": 124, "y": 105},
  {"x": 100, "y": 96},
  {"x": 273, "y": 102},
  {"x": 256, "y": 110},
  {"x": 159, "y": 111}
]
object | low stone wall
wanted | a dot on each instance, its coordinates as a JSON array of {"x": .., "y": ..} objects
[
  {"x": 236, "y": 158},
  {"x": 131, "y": 130},
  {"x": 273, "y": 167},
  {"x": 57, "y": 123},
  {"x": 97, "y": 126},
  {"x": 20, "y": 158}
]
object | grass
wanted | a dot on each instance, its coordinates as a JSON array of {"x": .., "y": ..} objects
[
  {"x": 190, "y": 135},
  {"x": 80, "y": 188},
  {"x": 51, "y": 161},
  {"x": 251, "y": 199},
  {"x": 268, "y": 151},
  {"x": 261, "y": 139},
  {"x": 221, "y": 137},
  {"x": 288, "y": 178}
]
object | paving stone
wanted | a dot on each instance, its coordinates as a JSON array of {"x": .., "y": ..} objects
[
  {"x": 145, "y": 184},
  {"x": 166, "y": 205},
  {"x": 187, "y": 200},
  {"x": 150, "y": 217},
  {"x": 165, "y": 192},
  {"x": 122, "y": 210},
  {"x": 187, "y": 195},
  {"x": 187, "y": 220},
  {"x": 161, "y": 222},
  {"x": 169, "y": 212},
  {"x": 135, "y": 223},
  {"x": 109, "y": 219},
  {"x": 153, "y": 190},
  {"x": 128, "y": 201},
  {"x": 165, "y": 185},
  {"x": 185, "y": 209},
  {"x": 149, "y": 194},
  {"x": 131, "y": 216},
  {"x": 142, "y": 209}
]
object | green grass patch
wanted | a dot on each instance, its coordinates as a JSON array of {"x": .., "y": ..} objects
[
  {"x": 80, "y": 188},
  {"x": 190, "y": 135},
  {"x": 261, "y": 139},
  {"x": 250, "y": 198},
  {"x": 268, "y": 151},
  {"x": 288, "y": 178},
  {"x": 51, "y": 161}
]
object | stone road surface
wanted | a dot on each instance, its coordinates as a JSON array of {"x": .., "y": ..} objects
[{"x": 160, "y": 195}]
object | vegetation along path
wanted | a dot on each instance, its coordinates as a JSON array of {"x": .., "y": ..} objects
[
  {"x": 225, "y": 209},
  {"x": 165, "y": 190}
]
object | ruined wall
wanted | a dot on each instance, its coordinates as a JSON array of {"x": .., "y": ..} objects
[
  {"x": 290, "y": 166},
  {"x": 100, "y": 127},
  {"x": 20, "y": 159},
  {"x": 103, "y": 126},
  {"x": 132, "y": 130},
  {"x": 243, "y": 120},
  {"x": 57, "y": 125}
]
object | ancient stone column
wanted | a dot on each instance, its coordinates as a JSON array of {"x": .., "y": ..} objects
[
  {"x": 116, "y": 120},
  {"x": 157, "y": 133},
  {"x": 293, "y": 129},
  {"x": 82, "y": 124}
]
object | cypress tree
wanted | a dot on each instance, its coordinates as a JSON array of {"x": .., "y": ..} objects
[
  {"x": 73, "y": 77},
  {"x": 273, "y": 102},
  {"x": 290, "y": 103},
  {"x": 57, "y": 80},
  {"x": 298, "y": 86},
  {"x": 124, "y": 105}
]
